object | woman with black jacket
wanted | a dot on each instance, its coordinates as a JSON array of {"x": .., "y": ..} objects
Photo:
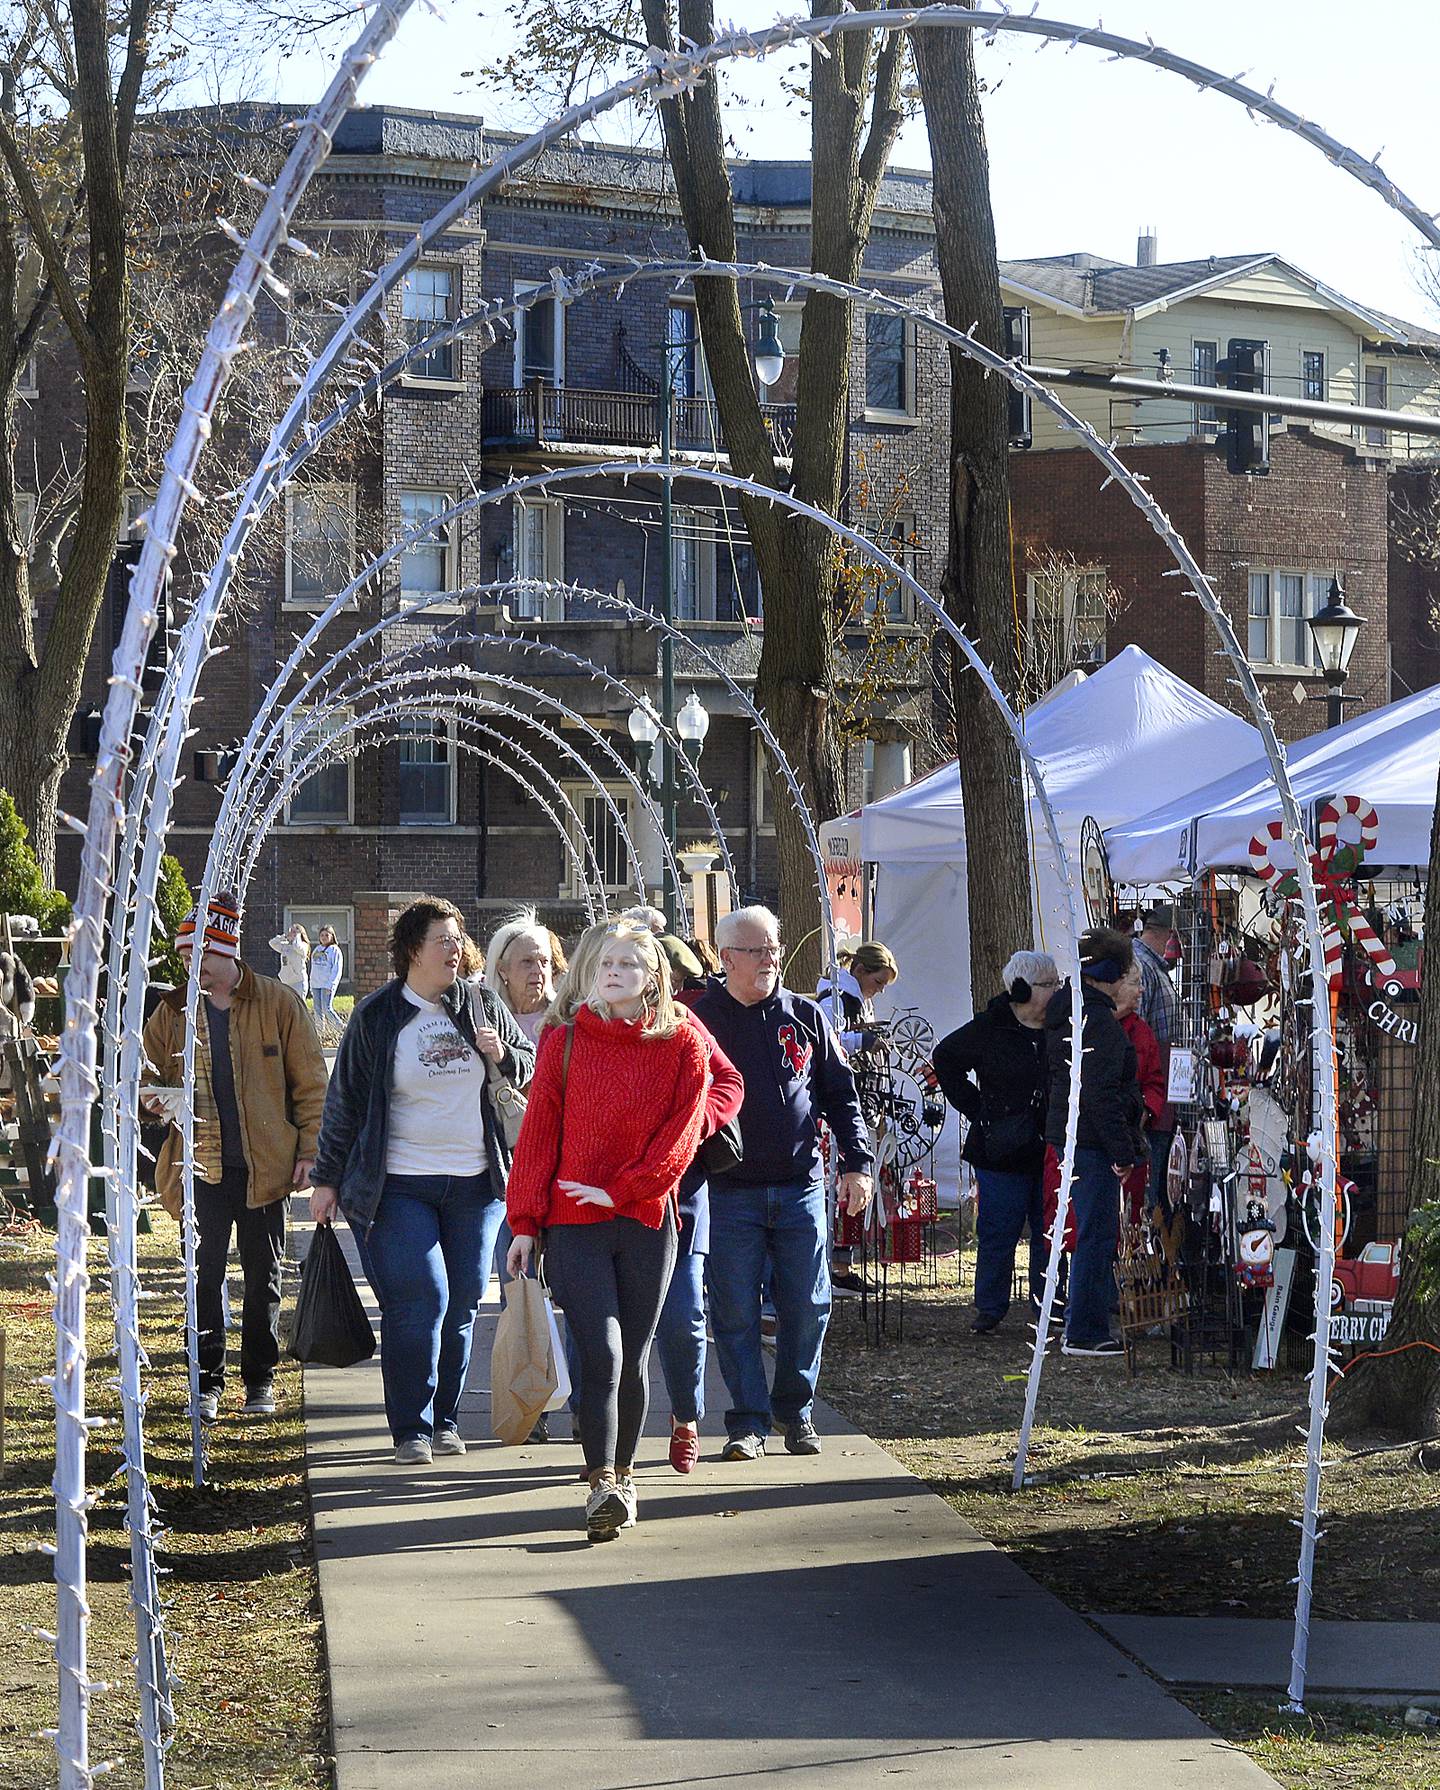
[
  {"x": 411, "y": 1151},
  {"x": 1109, "y": 1139},
  {"x": 993, "y": 1071}
]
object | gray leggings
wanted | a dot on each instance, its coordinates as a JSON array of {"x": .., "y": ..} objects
[{"x": 610, "y": 1280}]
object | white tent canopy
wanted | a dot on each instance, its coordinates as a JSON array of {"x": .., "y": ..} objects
[
  {"x": 1388, "y": 757},
  {"x": 1110, "y": 747}
]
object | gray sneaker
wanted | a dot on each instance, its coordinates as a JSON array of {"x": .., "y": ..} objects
[
  {"x": 259, "y": 1402},
  {"x": 209, "y": 1406},
  {"x": 413, "y": 1452},
  {"x": 801, "y": 1437},
  {"x": 448, "y": 1441},
  {"x": 606, "y": 1511},
  {"x": 743, "y": 1448}
]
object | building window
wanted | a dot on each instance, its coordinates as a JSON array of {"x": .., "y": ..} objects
[
  {"x": 692, "y": 564},
  {"x": 341, "y": 921},
  {"x": 688, "y": 376},
  {"x": 1281, "y": 604},
  {"x": 320, "y": 291},
  {"x": 28, "y": 385},
  {"x": 319, "y": 543},
  {"x": 427, "y": 302},
  {"x": 539, "y": 338},
  {"x": 539, "y": 554},
  {"x": 426, "y": 565},
  {"x": 325, "y": 798},
  {"x": 1312, "y": 374},
  {"x": 763, "y": 804},
  {"x": 1205, "y": 357},
  {"x": 1377, "y": 397},
  {"x": 889, "y": 364},
  {"x": 885, "y": 594},
  {"x": 1067, "y": 614},
  {"x": 612, "y": 853},
  {"x": 427, "y": 773}
]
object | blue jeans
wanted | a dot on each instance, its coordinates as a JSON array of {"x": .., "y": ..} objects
[
  {"x": 430, "y": 1249},
  {"x": 324, "y": 999},
  {"x": 785, "y": 1222},
  {"x": 1096, "y": 1198},
  {"x": 1006, "y": 1201},
  {"x": 680, "y": 1340}
]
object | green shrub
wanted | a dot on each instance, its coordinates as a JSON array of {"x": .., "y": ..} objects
[
  {"x": 22, "y": 887},
  {"x": 173, "y": 901}
]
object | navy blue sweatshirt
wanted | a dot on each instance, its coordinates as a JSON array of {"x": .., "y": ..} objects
[{"x": 795, "y": 1075}]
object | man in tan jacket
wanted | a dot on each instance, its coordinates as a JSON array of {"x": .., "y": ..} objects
[{"x": 259, "y": 1092}]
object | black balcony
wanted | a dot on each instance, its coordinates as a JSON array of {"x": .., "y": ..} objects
[{"x": 542, "y": 415}]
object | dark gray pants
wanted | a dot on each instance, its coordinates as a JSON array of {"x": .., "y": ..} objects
[{"x": 610, "y": 1280}]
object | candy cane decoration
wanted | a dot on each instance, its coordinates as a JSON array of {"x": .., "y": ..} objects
[{"x": 1343, "y": 909}]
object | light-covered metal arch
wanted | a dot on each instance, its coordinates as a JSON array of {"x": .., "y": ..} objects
[{"x": 668, "y": 73}]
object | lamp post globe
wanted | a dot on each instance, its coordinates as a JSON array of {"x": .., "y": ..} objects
[
  {"x": 768, "y": 353},
  {"x": 693, "y": 723}
]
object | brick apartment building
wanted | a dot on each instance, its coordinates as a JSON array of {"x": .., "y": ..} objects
[
  {"x": 1271, "y": 544},
  {"x": 578, "y": 385}
]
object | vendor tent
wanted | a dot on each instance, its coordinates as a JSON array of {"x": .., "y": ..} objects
[
  {"x": 1110, "y": 747},
  {"x": 1387, "y": 757}
]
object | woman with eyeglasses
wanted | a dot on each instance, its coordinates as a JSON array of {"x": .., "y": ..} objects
[{"x": 993, "y": 1070}]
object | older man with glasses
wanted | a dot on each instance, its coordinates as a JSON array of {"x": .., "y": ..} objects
[{"x": 772, "y": 1204}]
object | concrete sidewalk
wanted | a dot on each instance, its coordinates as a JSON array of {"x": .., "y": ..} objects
[{"x": 807, "y": 1622}]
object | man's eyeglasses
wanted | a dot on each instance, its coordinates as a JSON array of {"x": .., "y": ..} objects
[{"x": 770, "y": 951}]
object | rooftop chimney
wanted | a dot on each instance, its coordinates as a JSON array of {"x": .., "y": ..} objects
[{"x": 1147, "y": 249}]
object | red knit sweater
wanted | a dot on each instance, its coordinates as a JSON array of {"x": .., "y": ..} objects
[{"x": 633, "y": 1112}]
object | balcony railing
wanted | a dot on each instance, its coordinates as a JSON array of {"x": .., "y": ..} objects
[{"x": 539, "y": 414}]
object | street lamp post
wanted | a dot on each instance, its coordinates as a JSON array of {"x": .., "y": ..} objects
[
  {"x": 768, "y": 359},
  {"x": 1334, "y": 630}
]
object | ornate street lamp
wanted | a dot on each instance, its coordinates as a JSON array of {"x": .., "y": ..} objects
[{"x": 1335, "y": 629}]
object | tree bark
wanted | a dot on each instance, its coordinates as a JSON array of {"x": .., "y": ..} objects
[
  {"x": 39, "y": 690},
  {"x": 977, "y": 588},
  {"x": 1399, "y": 1389},
  {"x": 797, "y": 560}
]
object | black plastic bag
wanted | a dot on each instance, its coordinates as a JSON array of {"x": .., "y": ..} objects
[{"x": 330, "y": 1325}]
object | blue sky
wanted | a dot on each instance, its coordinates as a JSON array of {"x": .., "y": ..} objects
[{"x": 1085, "y": 151}]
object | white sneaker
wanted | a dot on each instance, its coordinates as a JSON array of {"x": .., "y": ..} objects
[
  {"x": 448, "y": 1441},
  {"x": 626, "y": 1487},
  {"x": 606, "y": 1511},
  {"x": 209, "y": 1407},
  {"x": 412, "y": 1453}
]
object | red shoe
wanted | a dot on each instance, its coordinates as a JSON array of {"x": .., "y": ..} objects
[{"x": 684, "y": 1450}]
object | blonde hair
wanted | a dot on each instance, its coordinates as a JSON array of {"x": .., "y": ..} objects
[
  {"x": 873, "y": 959},
  {"x": 660, "y": 1018}
]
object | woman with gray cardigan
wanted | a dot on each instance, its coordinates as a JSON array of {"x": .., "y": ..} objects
[{"x": 411, "y": 1152}]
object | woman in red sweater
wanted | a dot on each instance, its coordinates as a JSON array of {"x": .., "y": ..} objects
[{"x": 614, "y": 1115}]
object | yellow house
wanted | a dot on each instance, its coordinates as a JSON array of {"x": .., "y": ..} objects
[{"x": 1107, "y": 316}]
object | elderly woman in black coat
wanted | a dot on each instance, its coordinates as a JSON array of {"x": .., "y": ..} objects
[{"x": 993, "y": 1070}]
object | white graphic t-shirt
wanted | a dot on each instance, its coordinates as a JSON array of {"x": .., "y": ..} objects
[{"x": 435, "y": 1122}]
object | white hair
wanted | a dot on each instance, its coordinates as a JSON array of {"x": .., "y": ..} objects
[
  {"x": 729, "y": 924},
  {"x": 523, "y": 925},
  {"x": 1029, "y": 966},
  {"x": 648, "y": 919}
]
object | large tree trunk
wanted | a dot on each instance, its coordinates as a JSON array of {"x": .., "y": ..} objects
[
  {"x": 797, "y": 561},
  {"x": 977, "y": 586},
  {"x": 1399, "y": 1390}
]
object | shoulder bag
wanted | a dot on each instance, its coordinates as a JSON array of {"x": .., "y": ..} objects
[{"x": 505, "y": 1098}]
